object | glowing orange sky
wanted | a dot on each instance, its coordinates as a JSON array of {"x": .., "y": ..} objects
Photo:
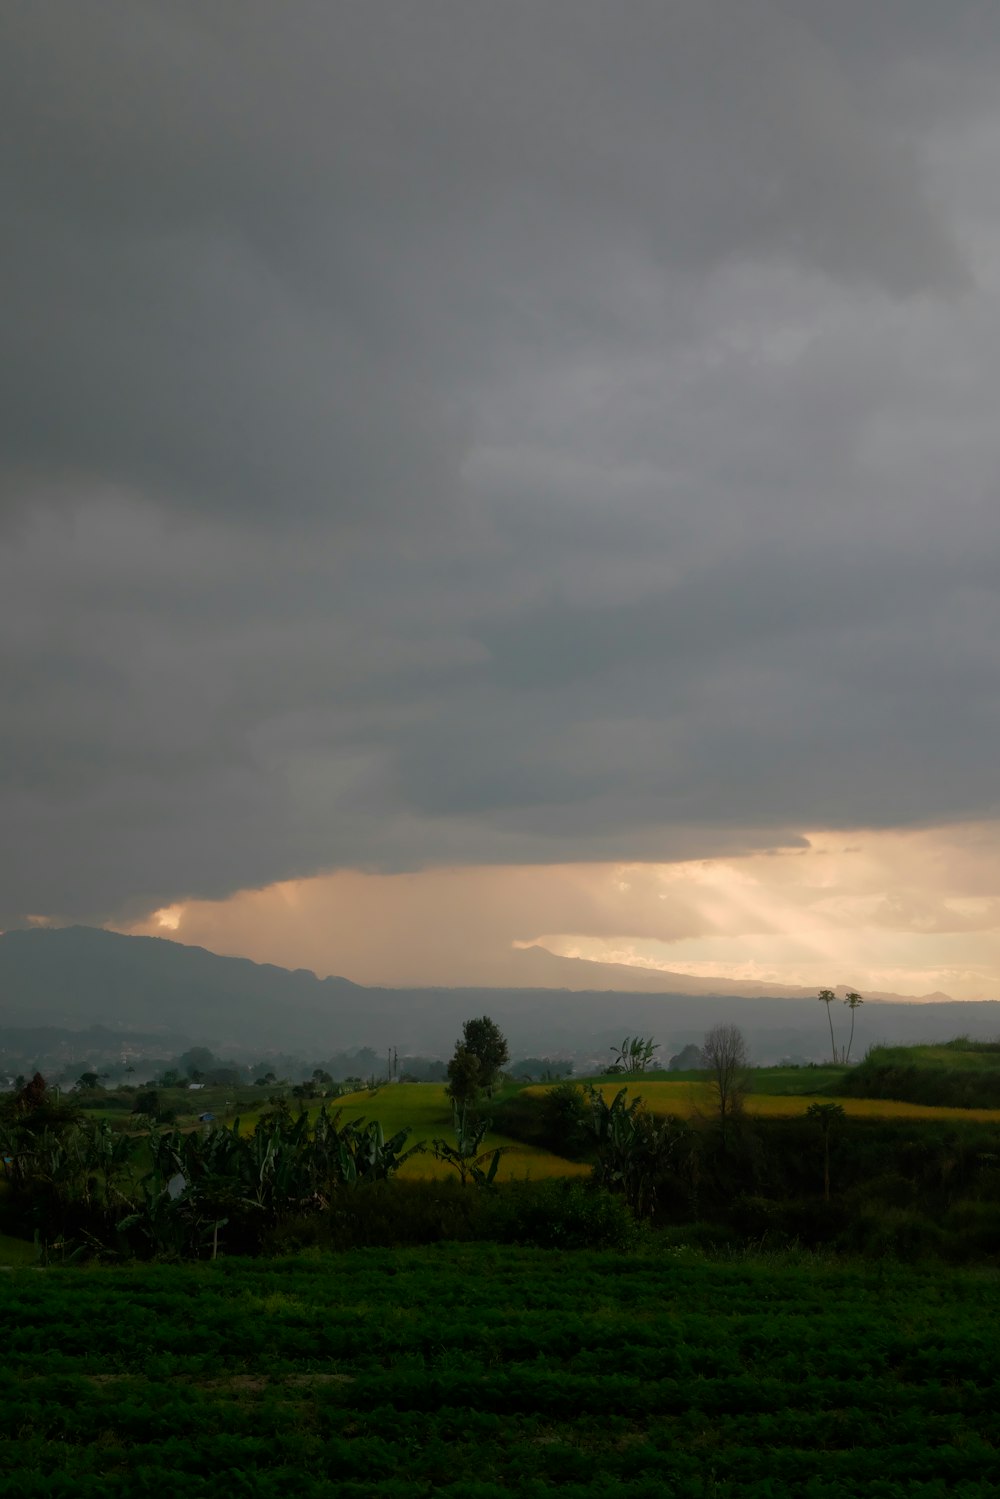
[{"x": 910, "y": 912}]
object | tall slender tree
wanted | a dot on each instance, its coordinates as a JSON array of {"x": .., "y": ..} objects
[
  {"x": 852, "y": 1001},
  {"x": 826, "y": 1116},
  {"x": 826, "y": 997}
]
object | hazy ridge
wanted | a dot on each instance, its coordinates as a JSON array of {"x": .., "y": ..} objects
[{"x": 82, "y": 977}]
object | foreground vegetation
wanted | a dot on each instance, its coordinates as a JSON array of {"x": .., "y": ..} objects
[{"x": 486, "y": 1372}]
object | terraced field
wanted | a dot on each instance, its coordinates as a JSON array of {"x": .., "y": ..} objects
[
  {"x": 426, "y": 1110},
  {"x": 689, "y": 1098},
  {"x": 483, "y": 1372}
]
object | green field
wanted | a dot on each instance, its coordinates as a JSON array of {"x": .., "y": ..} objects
[
  {"x": 425, "y": 1109},
  {"x": 482, "y": 1372}
]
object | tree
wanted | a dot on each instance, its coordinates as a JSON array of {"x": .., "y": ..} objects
[
  {"x": 88, "y": 1080},
  {"x": 483, "y": 1039},
  {"x": 32, "y": 1095},
  {"x": 690, "y": 1058},
  {"x": 825, "y": 1115},
  {"x": 852, "y": 1001},
  {"x": 634, "y": 1055},
  {"x": 727, "y": 1060},
  {"x": 149, "y": 1101},
  {"x": 826, "y": 997},
  {"x": 464, "y": 1073}
]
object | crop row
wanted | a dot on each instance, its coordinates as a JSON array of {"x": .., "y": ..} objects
[{"x": 469, "y": 1371}]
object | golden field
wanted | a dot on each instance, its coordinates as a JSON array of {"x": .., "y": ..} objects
[{"x": 688, "y": 1099}]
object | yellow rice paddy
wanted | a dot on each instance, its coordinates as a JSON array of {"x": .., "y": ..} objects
[{"x": 691, "y": 1099}]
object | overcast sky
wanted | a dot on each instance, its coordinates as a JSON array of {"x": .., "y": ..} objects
[{"x": 488, "y": 436}]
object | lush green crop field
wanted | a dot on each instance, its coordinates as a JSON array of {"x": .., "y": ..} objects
[
  {"x": 820, "y": 1078},
  {"x": 482, "y": 1372},
  {"x": 768, "y": 1080}
]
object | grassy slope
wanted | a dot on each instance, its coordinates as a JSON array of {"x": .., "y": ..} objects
[{"x": 424, "y": 1108}]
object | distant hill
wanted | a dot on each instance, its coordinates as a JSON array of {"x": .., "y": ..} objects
[
  {"x": 541, "y": 968},
  {"x": 81, "y": 977}
]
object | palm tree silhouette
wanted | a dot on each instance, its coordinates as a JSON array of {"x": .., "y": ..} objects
[
  {"x": 826, "y": 997},
  {"x": 852, "y": 1001}
]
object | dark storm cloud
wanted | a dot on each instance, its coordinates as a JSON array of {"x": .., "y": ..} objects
[{"x": 470, "y": 432}]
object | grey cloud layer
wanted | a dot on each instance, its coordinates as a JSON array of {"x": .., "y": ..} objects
[{"x": 468, "y": 432}]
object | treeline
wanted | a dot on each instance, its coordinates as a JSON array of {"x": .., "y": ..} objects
[{"x": 904, "y": 1073}]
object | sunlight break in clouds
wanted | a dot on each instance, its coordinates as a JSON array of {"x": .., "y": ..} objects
[{"x": 903, "y": 912}]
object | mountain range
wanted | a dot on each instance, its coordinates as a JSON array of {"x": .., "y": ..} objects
[{"x": 81, "y": 977}]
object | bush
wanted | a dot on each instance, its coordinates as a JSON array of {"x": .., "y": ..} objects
[
  {"x": 559, "y": 1215},
  {"x": 896, "y": 1072},
  {"x": 973, "y": 1229},
  {"x": 755, "y": 1216},
  {"x": 567, "y": 1118},
  {"x": 894, "y": 1233},
  {"x": 556, "y": 1120},
  {"x": 890, "y": 1189},
  {"x": 385, "y": 1215},
  {"x": 812, "y": 1222}
]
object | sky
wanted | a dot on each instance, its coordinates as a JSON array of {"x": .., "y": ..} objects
[{"x": 477, "y": 475}]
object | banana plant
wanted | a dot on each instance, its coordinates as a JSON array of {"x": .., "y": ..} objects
[
  {"x": 465, "y": 1156},
  {"x": 634, "y": 1149},
  {"x": 635, "y": 1055}
]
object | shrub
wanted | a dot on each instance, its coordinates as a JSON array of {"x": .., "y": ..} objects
[
  {"x": 973, "y": 1228},
  {"x": 385, "y": 1215},
  {"x": 566, "y": 1117},
  {"x": 559, "y": 1215},
  {"x": 894, "y": 1233}
]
